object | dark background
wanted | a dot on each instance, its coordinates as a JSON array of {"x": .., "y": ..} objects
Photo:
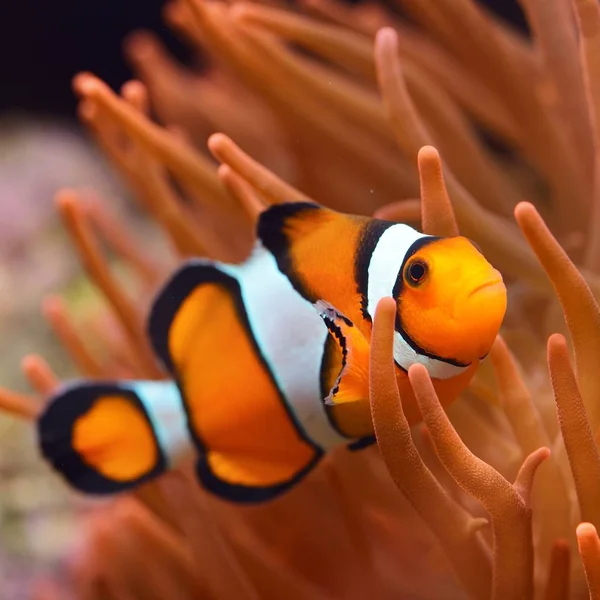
[{"x": 43, "y": 43}]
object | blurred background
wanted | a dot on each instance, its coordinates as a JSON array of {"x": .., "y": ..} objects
[
  {"x": 44, "y": 44},
  {"x": 42, "y": 148}
]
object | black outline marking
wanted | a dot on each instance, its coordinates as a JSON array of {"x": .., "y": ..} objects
[
  {"x": 326, "y": 366},
  {"x": 419, "y": 350},
  {"x": 166, "y": 306},
  {"x": 336, "y": 331},
  {"x": 367, "y": 242},
  {"x": 271, "y": 232},
  {"x": 55, "y": 435},
  {"x": 337, "y": 339},
  {"x": 245, "y": 494},
  {"x": 362, "y": 443},
  {"x": 396, "y": 294}
]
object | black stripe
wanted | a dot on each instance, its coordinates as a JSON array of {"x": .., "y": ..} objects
[
  {"x": 368, "y": 239},
  {"x": 419, "y": 350},
  {"x": 362, "y": 443},
  {"x": 164, "y": 311},
  {"x": 397, "y": 294},
  {"x": 271, "y": 232}
]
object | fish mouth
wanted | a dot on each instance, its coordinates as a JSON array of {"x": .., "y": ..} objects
[{"x": 487, "y": 284}]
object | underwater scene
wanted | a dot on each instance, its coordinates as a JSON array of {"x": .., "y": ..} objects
[{"x": 300, "y": 300}]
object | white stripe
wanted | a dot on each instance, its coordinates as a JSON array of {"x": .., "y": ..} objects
[
  {"x": 384, "y": 269},
  {"x": 163, "y": 403},
  {"x": 291, "y": 336},
  {"x": 405, "y": 356},
  {"x": 386, "y": 262}
]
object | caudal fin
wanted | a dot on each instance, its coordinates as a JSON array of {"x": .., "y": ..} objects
[{"x": 108, "y": 437}]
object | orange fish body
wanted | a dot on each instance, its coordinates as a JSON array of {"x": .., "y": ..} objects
[{"x": 269, "y": 359}]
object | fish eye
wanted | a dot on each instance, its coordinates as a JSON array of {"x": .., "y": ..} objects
[{"x": 416, "y": 272}]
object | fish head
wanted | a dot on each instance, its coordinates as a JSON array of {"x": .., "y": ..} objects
[{"x": 451, "y": 300}]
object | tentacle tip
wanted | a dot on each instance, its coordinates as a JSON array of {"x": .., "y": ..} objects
[
  {"x": 85, "y": 83},
  {"x": 417, "y": 370},
  {"x": 386, "y": 38},
  {"x": 544, "y": 453},
  {"x": 65, "y": 198},
  {"x": 224, "y": 171},
  {"x": 585, "y": 530},
  {"x": 133, "y": 87},
  {"x": 52, "y": 305},
  {"x": 29, "y": 362},
  {"x": 428, "y": 153},
  {"x": 524, "y": 209},
  {"x": 385, "y": 305},
  {"x": 557, "y": 341},
  {"x": 387, "y": 33},
  {"x": 216, "y": 141}
]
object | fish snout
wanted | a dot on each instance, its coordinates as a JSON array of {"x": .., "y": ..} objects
[{"x": 481, "y": 311}]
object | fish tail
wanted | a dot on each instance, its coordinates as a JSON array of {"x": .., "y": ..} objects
[{"x": 108, "y": 437}]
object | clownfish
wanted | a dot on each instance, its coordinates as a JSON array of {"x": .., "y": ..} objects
[{"x": 269, "y": 359}]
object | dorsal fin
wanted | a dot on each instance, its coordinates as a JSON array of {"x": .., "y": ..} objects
[
  {"x": 315, "y": 248},
  {"x": 281, "y": 223}
]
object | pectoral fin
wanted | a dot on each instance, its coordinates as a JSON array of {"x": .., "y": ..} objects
[
  {"x": 352, "y": 382},
  {"x": 348, "y": 398}
]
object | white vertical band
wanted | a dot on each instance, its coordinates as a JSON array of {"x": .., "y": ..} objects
[
  {"x": 291, "y": 335},
  {"x": 164, "y": 406},
  {"x": 384, "y": 269},
  {"x": 386, "y": 262}
]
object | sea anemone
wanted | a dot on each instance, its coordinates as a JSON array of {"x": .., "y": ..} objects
[{"x": 500, "y": 496}]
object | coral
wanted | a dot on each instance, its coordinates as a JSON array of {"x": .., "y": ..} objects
[{"x": 500, "y": 496}]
